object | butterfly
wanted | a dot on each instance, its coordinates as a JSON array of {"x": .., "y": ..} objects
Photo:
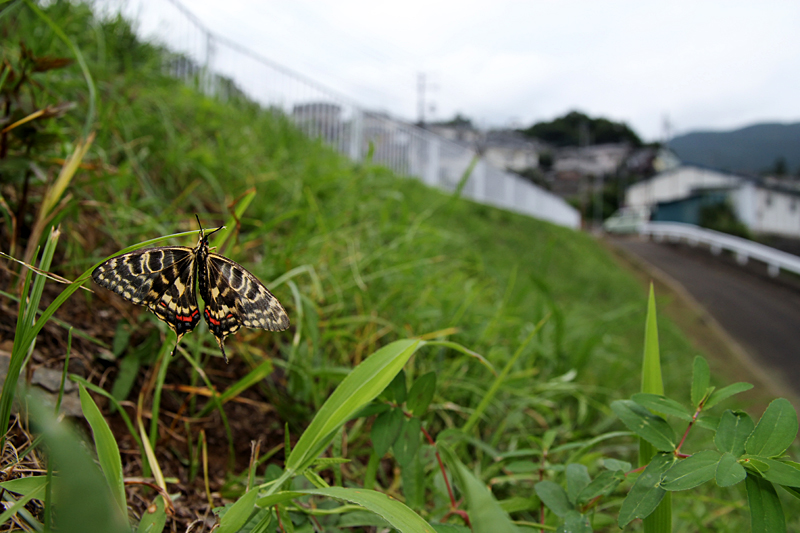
[{"x": 163, "y": 279}]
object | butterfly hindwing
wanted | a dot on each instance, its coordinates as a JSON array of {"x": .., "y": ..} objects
[{"x": 163, "y": 279}]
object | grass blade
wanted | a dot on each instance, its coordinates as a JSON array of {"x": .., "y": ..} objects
[{"x": 107, "y": 449}]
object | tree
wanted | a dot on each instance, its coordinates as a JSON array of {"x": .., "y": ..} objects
[{"x": 578, "y": 129}]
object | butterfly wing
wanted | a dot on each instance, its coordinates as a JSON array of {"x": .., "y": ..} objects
[
  {"x": 162, "y": 279},
  {"x": 235, "y": 298}
]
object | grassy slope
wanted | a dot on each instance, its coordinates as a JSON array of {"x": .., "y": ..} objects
[{"x": 394, "y": 258}]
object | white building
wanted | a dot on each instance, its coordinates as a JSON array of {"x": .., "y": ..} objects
[{"x": 765, "y": 206}]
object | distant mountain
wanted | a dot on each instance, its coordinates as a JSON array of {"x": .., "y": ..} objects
[{"x": 750, "y": 150}]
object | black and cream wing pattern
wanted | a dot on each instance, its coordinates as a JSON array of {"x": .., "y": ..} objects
[
  {"x": 164, "y": 280},
  {"x": 161, "y": 279}
]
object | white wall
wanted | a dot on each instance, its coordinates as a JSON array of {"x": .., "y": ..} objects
[
  {"x": 675, "y": 185},
  {"x": 776, "y": 212}
]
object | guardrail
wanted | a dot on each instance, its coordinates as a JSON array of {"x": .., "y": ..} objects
[
  {"x": 224, "y": 69},
  {"x": 743, "y": 249}
]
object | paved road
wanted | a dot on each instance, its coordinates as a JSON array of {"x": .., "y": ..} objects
[{"x": 762, "y": 314}]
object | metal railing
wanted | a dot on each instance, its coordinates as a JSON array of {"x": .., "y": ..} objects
[
  {"x": 743, "y": 249},
  {"x": 224, "y": 69}
]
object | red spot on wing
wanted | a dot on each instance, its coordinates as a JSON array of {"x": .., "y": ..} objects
[
  {"x": 211, "y": 319},
  {"x": 186, "y": 318},
  {"x": 229, "y": 315},
  {"x": 162, "y": 303}
]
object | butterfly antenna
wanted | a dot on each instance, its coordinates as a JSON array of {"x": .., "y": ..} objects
[{"x": 199, "y": 224}]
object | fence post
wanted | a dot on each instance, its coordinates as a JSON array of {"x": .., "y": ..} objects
[
  {"x": 356, "y": 134},
  {"x": 432, "y": 171}
]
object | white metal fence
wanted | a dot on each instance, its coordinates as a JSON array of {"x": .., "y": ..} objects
[
  {"x": 221, "y": 68},
  {"x": 743, "y": 249}
]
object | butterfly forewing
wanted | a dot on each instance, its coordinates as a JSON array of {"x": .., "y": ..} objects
[{"x": 163, "y": 279}]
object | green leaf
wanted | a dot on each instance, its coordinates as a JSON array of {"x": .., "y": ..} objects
[
  {"x": 25, "y": 485},
  {"x": 781, "y": 473},
  {"x": 602, "y": 485},
  {"x": 692, "y": 471},
  {"x": 153, "y": 522},
  {"x": 646, "y": 493},
  {"x": 575, "y": 522},
  {"x": 22, "y": 502},
  {"x": 396, "y": 391},
  {"x": 421, "y": 394},
  {"x": 237, "y": 515},
  {"x": 776, "y": 430},
  {"x": 766, "y": 513},
  {"x": 407, "y": 444},
  {"x": 662, "y": 405},
  {"x": 729, "y": 471},
  {"x": 614, "y": 464},
  {"x": 485, "y": 513},
  {"x": 732, "y": 432},
  {"x": 359, "y": 388},
  {"x": 651, "y": 363},
  {"x": 554, "y": 497},
  {"x": 701, "y": 377},
  {"x": 650, "y": 427},
  {"x": 385, "y": 430},
  {"x": 107, "y": 449},
  {"x": 577, "y": 480},
  {"x": 78, "y": 476},
  {"x": 726, "y": 392},
  {"x": 398, "y": 515}
]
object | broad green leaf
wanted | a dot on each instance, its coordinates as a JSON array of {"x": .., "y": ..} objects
[
  {"x": 729, "y": 471},
  {"x": 575, "y": 522},
  {"x": 451, "y": 528},
  {"x": 650, "y": 427},
  {"x": 421, "y": 394},
  {"x": 485, "y": 513},
  {"x": 396, "y": 390},
  {"x": 706, "y": 421},
  {"x": 107, "y": 449},
  {"x": 781, "y": 473},
  {"x": 646, "y": 493},
  {"x": 615, "y": 464},
  {"x": 692, "y": 471},
  {"x": 407, "y": 444},
  {"x": 359, "y": 388},
  {"x": 554, "y": 497},
  {"x": 398, "y": 515},
  {"x": 386, "y": 429},
  {"x": 732, "y": 432},
  {"x": 766, "y": 513},
  {"x": 726, "y": 392},
  {"x": 776, "y": 430},
  {"x": 662, "y": 405},
  {"x": 700, "y": 380},
  {"x": 236, "y": 517},
  {"x": 24, "y": 485},
  {"x": 577, "y": 480},
  {"x": 153, "y": 522},
  {"x": 603, "y": 485}
]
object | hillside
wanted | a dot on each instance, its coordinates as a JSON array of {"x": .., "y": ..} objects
[{"x": 751, "y": 150}]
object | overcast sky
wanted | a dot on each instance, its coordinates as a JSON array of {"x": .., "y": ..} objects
[{"x": 703, "y": 64}]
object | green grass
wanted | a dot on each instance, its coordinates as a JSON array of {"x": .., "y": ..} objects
[{"x": 371, "y": 257}]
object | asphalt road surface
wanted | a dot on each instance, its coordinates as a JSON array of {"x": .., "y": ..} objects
[{"x": 760, "y": 313}]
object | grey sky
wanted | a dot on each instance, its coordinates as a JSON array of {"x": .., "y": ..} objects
[{"x": 707, "y": 65}]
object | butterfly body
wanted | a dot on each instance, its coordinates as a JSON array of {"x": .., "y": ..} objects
[{"x": 163, "y": 279}]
